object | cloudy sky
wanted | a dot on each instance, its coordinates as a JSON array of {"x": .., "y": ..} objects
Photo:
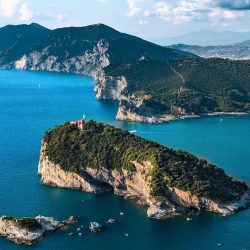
[{"x": 146, "y": 18}]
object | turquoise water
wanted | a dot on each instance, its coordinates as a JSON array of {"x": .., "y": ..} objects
[{"x": 31, "y": 102}]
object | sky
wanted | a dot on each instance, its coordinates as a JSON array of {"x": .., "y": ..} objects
[{"x": 145, "y": 18}]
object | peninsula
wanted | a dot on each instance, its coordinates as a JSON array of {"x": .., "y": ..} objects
[
  {"x": 152, "y": 83},
  {"x": 95, "y": 157}
]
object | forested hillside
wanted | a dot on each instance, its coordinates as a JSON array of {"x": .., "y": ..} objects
[{"x": 196, "y": 85}]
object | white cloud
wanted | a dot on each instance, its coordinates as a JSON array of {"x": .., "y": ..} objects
[
  {"x": 25, "y": 12},
  {"x": 226, "y": 14},
  {"x": 9, "y": 7},
  {"x": 195, "y": 10},
  {"x": 133, "y": 7}
]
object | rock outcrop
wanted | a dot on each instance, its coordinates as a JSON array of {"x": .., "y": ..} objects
[
  {"x": 90, "y": 62},
  {"x": 135, "y": 109},
  {"x": 108, "y": 87},
  {"x": 134, "y": 185},
  {"x": 52, "y": 175},
  {"x": 126, "y": 114},
  {"x": 28, "y": 230}
]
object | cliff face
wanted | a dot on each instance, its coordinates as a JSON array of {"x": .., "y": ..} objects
[
  {"x": 89, "y": 62},
  {"x": 52, "y": 175},
  {"x": 133, "y": 185},
  {"x": 108, "y": 87},
  {"x": 136, "y": 109},
  {"x": 131, "y": 109}
]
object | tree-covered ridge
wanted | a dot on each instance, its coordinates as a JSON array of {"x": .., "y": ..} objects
[
  {"x": 100, "y": 145},
  {"x": 65, "y": 43},
  {"x": 18, "y": 40},
  {"x": 196, "y": 85},
  {"x": 74, "y": 41}
]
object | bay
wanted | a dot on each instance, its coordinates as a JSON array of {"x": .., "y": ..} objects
[{"x": 32, "y": 102}]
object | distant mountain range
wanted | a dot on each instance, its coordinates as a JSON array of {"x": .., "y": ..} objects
[
  {"x": 205, "y": 38},
  {"x": 238, "y": 51},
  {"x": 153, "y": 83}
]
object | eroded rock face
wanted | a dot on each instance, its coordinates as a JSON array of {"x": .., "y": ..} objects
[
  {"x": 21, "y": 234},
  {"x": 110, "y": 88},
  {"x": 53, "y": 175},
  {"x": 88, "y": 63},
  {"x": 126, "y": 114},
  {"x": 133, "y": 109},
  {"x": 134, "y": 185}
]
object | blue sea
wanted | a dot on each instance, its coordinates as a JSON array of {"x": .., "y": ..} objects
[{"x": 32, "y": 102}]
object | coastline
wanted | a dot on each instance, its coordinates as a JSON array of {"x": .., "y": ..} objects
[
  {"x": 124, "y": 114},
  {"x": 133, "y": 117}
]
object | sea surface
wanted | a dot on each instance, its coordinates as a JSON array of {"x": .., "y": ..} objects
[{"x": 32, "y": 102}]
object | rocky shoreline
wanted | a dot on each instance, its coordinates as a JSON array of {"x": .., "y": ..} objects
[
  {"x": 110, "y": 88},
  {"x": 127, "y": 115},
  {"x": 135, "y": 186},
  {"x": 28, "y": 231}
]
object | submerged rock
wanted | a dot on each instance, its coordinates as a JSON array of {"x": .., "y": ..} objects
[
  {"x": 71, "y": 220},
  {"x": 111, "y": 221},
  {"x": 95, "y": 227}
]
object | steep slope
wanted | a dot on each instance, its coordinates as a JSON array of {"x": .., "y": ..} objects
[
  {"x": 169, "y": 181},
  {"x": 238, "y": 51},
  {"x": 160, "y": 91},
  {"x": 86, "y": 50},
  {"x": 17, "y": 40}
]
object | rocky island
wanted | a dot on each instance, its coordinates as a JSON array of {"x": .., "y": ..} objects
[
  {"x": 99, "y": 158},
  {"x": 30, "y": 230}
]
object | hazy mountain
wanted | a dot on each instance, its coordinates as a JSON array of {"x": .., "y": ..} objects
[
  {"x": 237, "y": 51},
  {"x": 205, "y": 38}
]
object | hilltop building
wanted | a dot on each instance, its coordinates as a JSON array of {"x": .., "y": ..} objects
[{"x": 81, "y": 124}]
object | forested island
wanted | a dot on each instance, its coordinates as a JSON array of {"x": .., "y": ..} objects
[{"x": 102, "y": 158}]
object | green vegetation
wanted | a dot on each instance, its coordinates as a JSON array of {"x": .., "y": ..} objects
[
  {"x": 210, "y": 85},
  {"x": 100, "y": 145},
  {"x": 18, "y": 40},
  {"x": 27, "y": 223},
  {"x": 65, "y": 43}
]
